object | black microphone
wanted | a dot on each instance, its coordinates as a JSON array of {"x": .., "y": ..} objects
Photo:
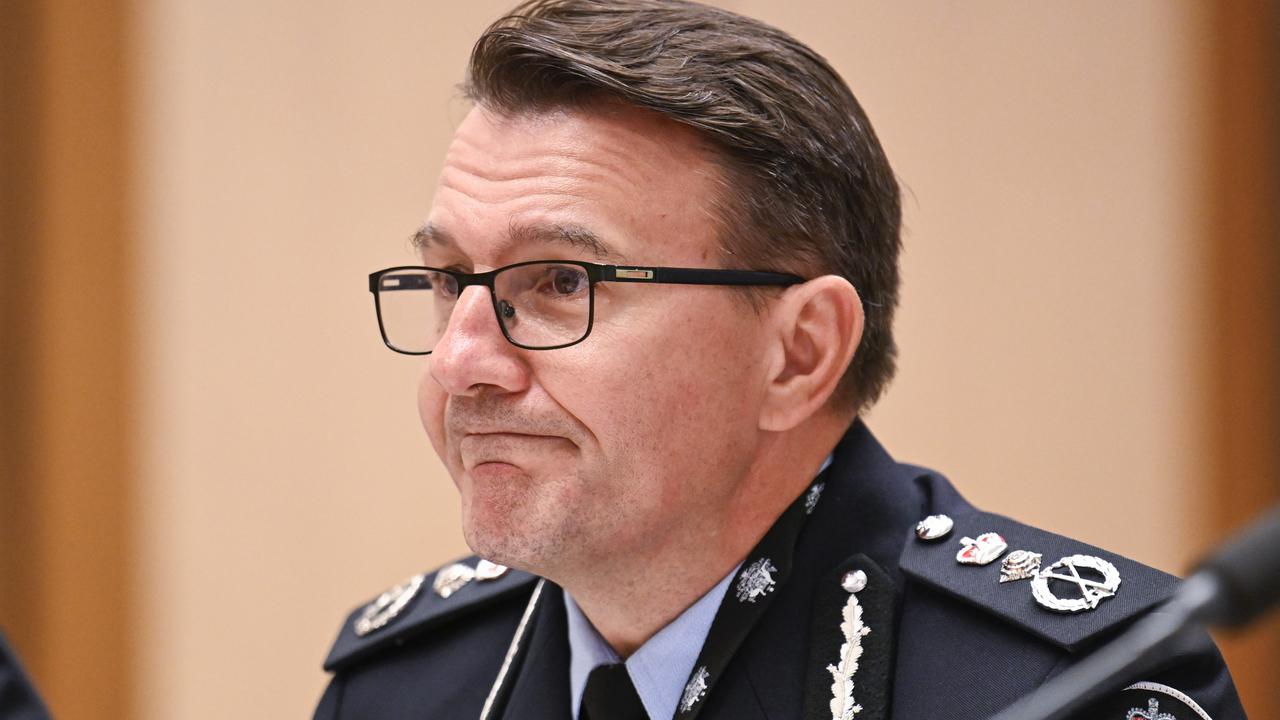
[
  {"x": 1233, "y": 587},
  {"x": 1247, "y": 570}
]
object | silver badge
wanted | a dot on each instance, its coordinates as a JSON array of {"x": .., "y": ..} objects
[
  {"x": 811, "y": 500},
  {"x": 843, "y": 705},
  {"x": 854, "y": 581},
  {"x": 452, "y": 579},
  {"x": 695, "y": 689},
  {"x": 1152, "y": 712},
  {"x": 486, "y": 570},
  {"x": 1067, "y": 570},
  {"x": 388, "y": 605},
  {"x": 982, "y": 551},
  {"x": 756, "y": 581},
  {"x": 1019, "y": 565},
  {"x": 934, "y": 527}
]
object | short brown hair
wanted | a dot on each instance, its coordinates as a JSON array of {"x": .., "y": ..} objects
[{"x": 809, "y": 189}]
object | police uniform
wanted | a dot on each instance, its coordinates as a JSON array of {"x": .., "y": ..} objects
[
  {"x": 841, "y": 611},
  {"x": 18, "y": 698}
]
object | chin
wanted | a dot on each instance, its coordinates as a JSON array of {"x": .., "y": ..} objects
[
  {"x": 537, "y": 537},
  {"x": 498, "y": 535}
]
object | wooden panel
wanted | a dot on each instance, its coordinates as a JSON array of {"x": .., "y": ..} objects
[
  {"x": 18, "y": 202},
  {"x": 66, "y": 442},
  {"x": 1244, "y": 314}
]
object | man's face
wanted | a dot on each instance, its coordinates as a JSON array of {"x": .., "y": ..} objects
[{"x": 637, "y": 436}]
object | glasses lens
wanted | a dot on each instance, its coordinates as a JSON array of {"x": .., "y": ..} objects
[
  {"x": 544, "y": 305},
  {"x": 414, "y": 307}
]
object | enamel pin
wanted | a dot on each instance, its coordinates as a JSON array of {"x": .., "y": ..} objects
[
  {"x": 981, "y": 551},
  {"x": 934, "y": 527},
  {"x": 387, "y": 606},
  {"x": 1091, "y": 590},
  {"x": 1019, "y": 565},
  {"x": 452, "y": 579}
]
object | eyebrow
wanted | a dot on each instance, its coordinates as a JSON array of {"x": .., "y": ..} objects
[{"x": 567, "y": 235}]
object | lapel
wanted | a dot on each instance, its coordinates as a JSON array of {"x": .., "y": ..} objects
[
  {"x": 864, "y": 511},
  {"x": 773, "y": 654},
  {"x": 541, "y": 686}
]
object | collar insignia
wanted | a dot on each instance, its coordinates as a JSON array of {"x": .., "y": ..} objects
[
  {"x": 387, "y": 606},
  {"x": 1067, "y": 570},
  {"x": 1152, "y": 713},
  {"x": 695, "y": 690},
  {"x": 982, "y": 551},
  {"x": 1019, "y": 565},
  {"x": 756, "y": 581}
]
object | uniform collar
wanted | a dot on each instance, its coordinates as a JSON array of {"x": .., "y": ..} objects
[{"x": 660, "y": 666}]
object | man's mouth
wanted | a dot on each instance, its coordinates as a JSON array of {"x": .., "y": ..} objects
[{"x": 510, "y": 448}]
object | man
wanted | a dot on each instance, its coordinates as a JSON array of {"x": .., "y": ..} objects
[{"x": 657, "y": 289}]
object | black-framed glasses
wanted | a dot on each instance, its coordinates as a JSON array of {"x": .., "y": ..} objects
[{"x": 540, "y": 305}]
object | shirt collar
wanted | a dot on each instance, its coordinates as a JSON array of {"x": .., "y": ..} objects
[{"x": 659, "y": 667}]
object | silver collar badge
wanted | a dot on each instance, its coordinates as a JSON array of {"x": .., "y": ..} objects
[
  {"x": 853, "y": 629},
  {"x": 756, "y": 581},
  {"x": 934, "y": 527},
  {"x": 695, "y": 689},
  {"x": 981, "y": 551},
  {"x": 1152, "y": 712},
  {"x": 1067, "y": 570},
  {"x": 387, "y": 606},
  {"x": 1019, "y": 565},
  {"x": 811, "y": 499}
]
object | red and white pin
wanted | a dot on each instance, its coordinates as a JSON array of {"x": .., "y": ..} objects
[{"x": 982, "y": 551}]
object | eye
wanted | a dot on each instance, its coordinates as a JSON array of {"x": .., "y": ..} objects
[
  {"x": 443, "y": 285},
  {"x": 566, "y": 280}
]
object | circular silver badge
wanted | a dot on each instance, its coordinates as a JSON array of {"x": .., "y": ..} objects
[
  {"x": 387, "y": 606},
  {"x": 854, "y": 581},
  {"x": 934, "y": 527},
  {"x": 1103, "y": 582}
]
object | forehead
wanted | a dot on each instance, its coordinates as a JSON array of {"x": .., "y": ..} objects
[{"x": 614, "y": 181}]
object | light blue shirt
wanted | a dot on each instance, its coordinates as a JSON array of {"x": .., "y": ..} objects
[{"x": 660, "y": 667}]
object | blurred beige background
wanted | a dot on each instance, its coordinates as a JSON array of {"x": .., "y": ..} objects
[{"x": 1062, "y": 344}]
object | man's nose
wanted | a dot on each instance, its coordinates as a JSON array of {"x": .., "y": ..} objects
[{"x": 473, "y": 354}]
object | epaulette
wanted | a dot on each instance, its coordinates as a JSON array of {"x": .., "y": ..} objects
[
  {"x": 421, "y": 603},
  {"x": 1061, "y": 590}
]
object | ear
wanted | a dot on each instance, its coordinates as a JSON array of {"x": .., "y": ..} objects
[{"x": 817, "y": 325}]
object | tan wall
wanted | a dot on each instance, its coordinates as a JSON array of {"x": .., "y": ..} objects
[{"x": 288, "y": 148}]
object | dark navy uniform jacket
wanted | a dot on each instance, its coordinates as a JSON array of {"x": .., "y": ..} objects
[
  {"x": 18, "y": 698},
  {"x": 944, "y": 640}
]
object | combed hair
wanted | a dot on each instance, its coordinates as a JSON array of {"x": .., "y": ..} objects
[{"x": 807, "y": 187}]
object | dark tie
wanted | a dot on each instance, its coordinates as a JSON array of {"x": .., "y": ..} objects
[{"x": 611, "y": 696}]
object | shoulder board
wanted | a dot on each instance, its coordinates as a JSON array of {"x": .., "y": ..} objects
[
  {"x": 934, "y": 564},
  {"x": 419, "y": 604}
]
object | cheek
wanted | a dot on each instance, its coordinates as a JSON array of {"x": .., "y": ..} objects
[
  {"x": 665, "y": 385},
  {"x": 431, "y": 402}
]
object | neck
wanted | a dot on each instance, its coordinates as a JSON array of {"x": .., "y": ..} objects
[{"x": 630, "y": 595}]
